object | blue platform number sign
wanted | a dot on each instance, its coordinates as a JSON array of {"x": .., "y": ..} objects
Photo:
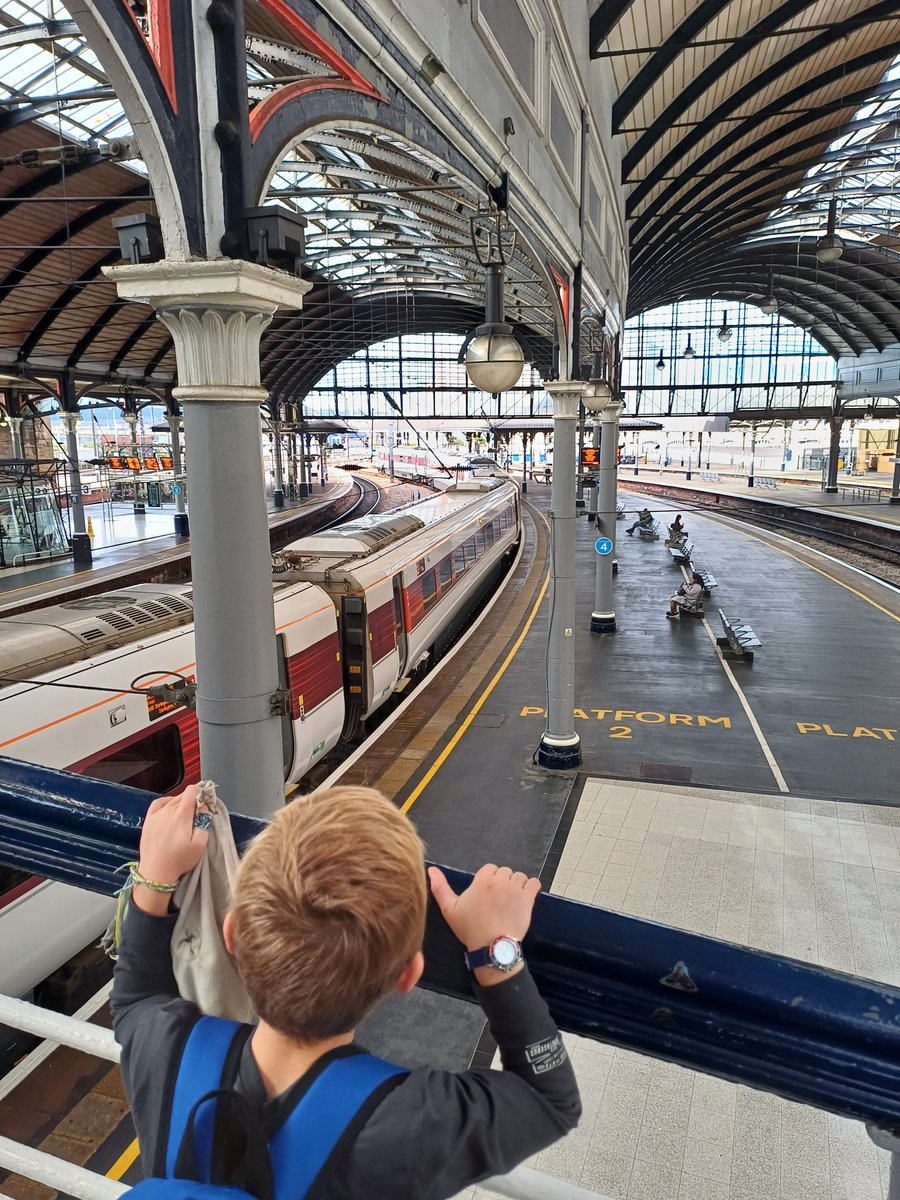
[
  {"x": 176, "y": 490},
  {"x": 603, "y": 545}
]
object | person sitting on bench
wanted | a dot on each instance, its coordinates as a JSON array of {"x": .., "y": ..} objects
[
  {"x": 677, "y": 526},
  {"x": 688, "y": 595},
  {"x": 644, "y": 521}
]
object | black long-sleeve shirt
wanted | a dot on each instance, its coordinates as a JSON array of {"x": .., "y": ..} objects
[{"x": 434, "y": 1134}]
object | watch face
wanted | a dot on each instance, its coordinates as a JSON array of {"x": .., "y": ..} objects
[{"x": 505, "y": 952}]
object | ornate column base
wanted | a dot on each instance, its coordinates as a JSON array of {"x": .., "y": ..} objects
[
  {"x": 559, "y": 754},
  {"x": 603, "y": 622}
]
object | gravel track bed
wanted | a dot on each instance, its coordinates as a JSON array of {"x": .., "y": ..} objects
[{"x": 853, "y": 558}]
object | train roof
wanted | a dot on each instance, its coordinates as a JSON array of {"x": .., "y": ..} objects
[{"x": 378, "y": 531}]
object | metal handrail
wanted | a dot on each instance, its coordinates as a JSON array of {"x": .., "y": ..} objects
[
  {"x": 799, "y": 1031},
  {"x": 522, "y": 1183}
]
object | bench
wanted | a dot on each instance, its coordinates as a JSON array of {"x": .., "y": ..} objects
[
  {"x": 709, "y": 582},
  {"x": 650, "y": 533},
  {"x": 675, "y": 539},
  {"x": 764, "y": 482},
  {"x": 681, "y": 554},
  {"x": 620, "y": 510},
  {"x": 709, "y": 476},
  {"x": 739, "y": 641}
]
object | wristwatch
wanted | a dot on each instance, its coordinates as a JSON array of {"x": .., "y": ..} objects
[{"x": 504, "y": 953}]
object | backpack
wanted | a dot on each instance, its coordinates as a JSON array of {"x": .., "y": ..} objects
[{"x": 217, "y": 1145}]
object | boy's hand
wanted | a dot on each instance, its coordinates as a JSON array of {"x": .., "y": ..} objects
[
  {"x": 497, "y": 901},
  {"x": 170, "y": 846}
]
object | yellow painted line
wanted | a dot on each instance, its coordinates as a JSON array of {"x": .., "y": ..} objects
[
  {"x": 803, "y": 563},
  {"x": 124, "y": 1161},
  {"x": 476, "y": 708}
]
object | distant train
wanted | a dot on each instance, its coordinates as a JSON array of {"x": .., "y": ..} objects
[
  {"x": 358, "y": 610},
  {"x": 421, "y": 465}
]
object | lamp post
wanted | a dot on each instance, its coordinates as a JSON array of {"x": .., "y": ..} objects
[{"x": 560, "y": 746}]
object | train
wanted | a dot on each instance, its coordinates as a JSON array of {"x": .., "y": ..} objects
[
  {"x": 359, "y": 610},
  {"x": 421, "y": 465}
]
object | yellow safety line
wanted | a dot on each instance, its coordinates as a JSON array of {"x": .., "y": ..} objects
[
  {"x": 802, "y": 561},
  {"x": 124, "y": 1161},
  {"x": 476, "y": 708}
]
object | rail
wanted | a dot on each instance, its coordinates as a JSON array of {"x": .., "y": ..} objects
[
  {"x": 522, "y": 1183},
  {"x": 797, "y": 1030}
]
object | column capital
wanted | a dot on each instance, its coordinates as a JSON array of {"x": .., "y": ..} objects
[
  {"x": 208, "y": 283},
  {"x": 566, "y": 395},
  {"x": 612, "y": 412}
]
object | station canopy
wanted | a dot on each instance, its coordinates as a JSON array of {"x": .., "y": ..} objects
[
  {"x": 389, "y": 246},
  {"x": 741, "y": 123}
]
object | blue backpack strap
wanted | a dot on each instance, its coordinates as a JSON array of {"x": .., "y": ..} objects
[
  {"x": 302, "y": 1146},
  {"x": 200, "y": 1071}
]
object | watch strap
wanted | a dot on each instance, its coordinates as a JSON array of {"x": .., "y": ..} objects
[{"x": 478, "y": 958}]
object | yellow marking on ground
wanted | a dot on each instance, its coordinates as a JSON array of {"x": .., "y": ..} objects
[
  {"x": 124, "y": 1161},
  {"x": 476, "y": 708}
]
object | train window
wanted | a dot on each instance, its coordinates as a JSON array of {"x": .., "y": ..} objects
[
  {"x": 489, "y": 534},
  {"x": 445, "y": 571},
  {"x": 459, "y": 560},
  {"x": 470, "y": 551},
  {"x": 429, "y": 590},
  {"x": 479, "y": 543},
  {"x": 10, "y": 877},
  {"x": 154, "y": 763}
]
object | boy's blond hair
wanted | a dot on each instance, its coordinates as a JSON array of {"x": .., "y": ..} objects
[{"x": 329, "y": 909}]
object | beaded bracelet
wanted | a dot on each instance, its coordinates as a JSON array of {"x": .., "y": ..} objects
[{"x": 151, "y": 884}]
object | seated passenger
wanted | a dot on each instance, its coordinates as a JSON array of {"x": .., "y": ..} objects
[
  {"x": 688, "y": 595},
  {"x": 328, "y": 919},
  {"x": 644, "y": 521},
  {"x": 677, "y": 526}
]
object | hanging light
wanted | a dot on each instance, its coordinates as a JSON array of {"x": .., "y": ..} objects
[
  {"x": 493, "y": 357},
  {"x": 689, "y": 351},
  {"x": 725, "y": 329},
  {"x": 660, "y": 362},
  {"x": 770, "y": 304},
  {"x": 830, "y": 247}
]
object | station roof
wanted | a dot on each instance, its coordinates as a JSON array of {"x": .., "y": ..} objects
[{"x": 740, "y": 122}]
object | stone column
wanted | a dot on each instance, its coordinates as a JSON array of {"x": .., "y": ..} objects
[
  {"x": 81, "y": 543},
  {"x": 603, "y": 618},
  {"x": 182, "y": 525},
  {"x": 216, "y": 311},
  {"x": 595, "y": 490},
  {"x": 560, "y": 745},
  {"x": 138, "y": 505},
  {"x": 15, "y": 433},
  {"x": 894, "y": 497},
  {"x": 579, "y": 488}
]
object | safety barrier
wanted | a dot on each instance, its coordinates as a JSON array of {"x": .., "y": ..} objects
[
  {"x": 523, "y": 1183},
  {"x": 797, "y": 1030}
]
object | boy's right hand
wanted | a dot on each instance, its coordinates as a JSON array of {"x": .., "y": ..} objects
[{"x": 497, "y": 901}]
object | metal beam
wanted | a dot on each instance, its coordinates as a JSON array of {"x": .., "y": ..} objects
[{"x": 603, "y": 21}]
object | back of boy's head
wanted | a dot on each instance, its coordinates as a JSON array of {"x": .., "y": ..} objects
[{"x": 329, "y": 909}]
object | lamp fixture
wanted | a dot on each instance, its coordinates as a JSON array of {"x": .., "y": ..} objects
[
  {"x": 597, "y": 395},
  {"x": 494, "y": 358},
  {"x": 660, "y": 362},
  {"x": 770, "y": 304},
  {"x": 725, "y": 330},
  {"x": 830, "y": 247},
  {"x": 689, "y": 351}
]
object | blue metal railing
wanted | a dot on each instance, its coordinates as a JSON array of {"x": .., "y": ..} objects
[{"x": 800, "y": 1031}]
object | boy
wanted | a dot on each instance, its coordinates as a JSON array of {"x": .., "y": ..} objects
[{"x": 328, "y": 918}]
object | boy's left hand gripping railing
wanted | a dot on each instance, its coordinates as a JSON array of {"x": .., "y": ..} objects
[{"x": 787, "y": 1027}]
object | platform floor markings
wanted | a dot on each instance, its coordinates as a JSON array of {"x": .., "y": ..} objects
[
  {"x": 477, "y": 706},
  {"x": 128, "y": 1156}
]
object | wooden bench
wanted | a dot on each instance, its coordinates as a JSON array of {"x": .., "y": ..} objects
[
  {"x": 681, "y": 554},
  {"x": 739, "y": 641}
]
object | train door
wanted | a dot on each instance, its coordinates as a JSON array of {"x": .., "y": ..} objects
[
  {"x": 287, "y": 723},
  {"x": 400, "y": 626}
]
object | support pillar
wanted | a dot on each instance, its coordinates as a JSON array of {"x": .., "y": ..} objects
[
  {"x": 303, "y": 487},
  {"x": 15, "y": 433},
  {"x": 579, "y": 490},
  {"x": 603, "y": 618},
  {"x": 751, "y": 478},
  {"x": 595, "y": 490},
  {"x": 278, "y": 490},
  {"x": 138, "y": 505},
  {"x": 525, "y": 463},
  {"x": 834, "y": 453},
  {"x": 81, "y": 543},
  {"x": 894, "y": 497},
  {"x": 216, "y": 311},
  {"x": 560, "y": 746},
  {"x": 182, "y": 524}
]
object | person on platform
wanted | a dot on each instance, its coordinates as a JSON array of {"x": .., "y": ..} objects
[
  {"x": 677, "y": 526},
  {"x": 688, "y": 595},
  {"x": 644, "y": 521},
  {"x": 547, "y": 475},
  {"x": 328, "y": 919}
]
